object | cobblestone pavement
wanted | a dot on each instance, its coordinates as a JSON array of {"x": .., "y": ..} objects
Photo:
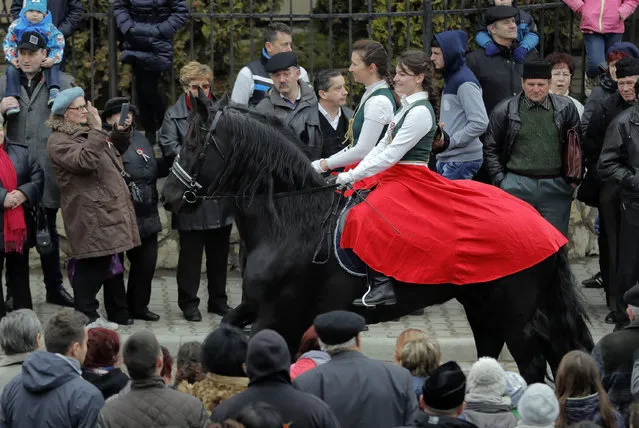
[{"x": 445, "y": 322}]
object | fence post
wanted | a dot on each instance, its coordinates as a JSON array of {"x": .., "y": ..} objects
[
  {"x": 113, "y": 53},
  {"x": 427, "y": 25}
]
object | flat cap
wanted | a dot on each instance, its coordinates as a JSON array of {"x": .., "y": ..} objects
[
  {"x": 627, "y": 67},
  {"x": 281, "y": 61},
  {"x": 445, "y": 388},
  {"x": 631, "y": 297},
  {"x": 338, "y": 327},
  {"x": 65, "y": 98},
  {"x": 497, "y": 13},
  {"x": 537, "y": 69}
]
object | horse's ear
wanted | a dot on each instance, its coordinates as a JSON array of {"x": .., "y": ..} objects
[{"x": 199, "y": 106}]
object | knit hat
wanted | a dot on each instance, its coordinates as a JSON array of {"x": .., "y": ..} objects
[
  {"x": 114, "y": 106},
  {"x": 37, "y": 5},
  {"x": 486, "y": 377},
  {"x": 537, "y": 69},
  {"x": 65, "y": 98},
  {"x": 625, "y": 47},
  {"x": 515, "y": 387},
  {"x": 538, "y": 406}
]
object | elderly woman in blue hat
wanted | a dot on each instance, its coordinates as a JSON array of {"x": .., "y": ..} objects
[{"x": 99, "y": 218}]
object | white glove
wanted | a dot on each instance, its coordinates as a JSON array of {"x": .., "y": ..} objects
[
  {"x": 316, "y": 166},
  {"x": 344, "y": 178}
]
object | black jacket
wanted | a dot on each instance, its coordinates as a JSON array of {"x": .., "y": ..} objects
[
  {"x": 210, "y": 213},
  {"x": 499, "y": 75},
  {"x": 144, "y": 170},
  {"x": 426, "y": 420},
  {"x": 30, "y": 182},
  {"x": 65, "y": 14},
  {"x": 148, "y": 27},
  {"x": 614, "y": 357},
  {"x": 606, "y": 88},
  {"x": 619, "y": 158},
  {"x": 505, "y": 123},
  {"x": 267, "y": 365},
  {"x": 109, "y": 383}
]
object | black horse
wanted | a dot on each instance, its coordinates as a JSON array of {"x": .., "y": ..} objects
[{"x": 284, "y": 215}]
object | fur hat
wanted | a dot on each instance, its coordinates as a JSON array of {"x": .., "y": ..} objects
[
  {"x": 538, "y": 406},
  {"x": 65, "y": 99},
  {"x": 515, "y": 387},
  {"x": 486, "y": 377}
]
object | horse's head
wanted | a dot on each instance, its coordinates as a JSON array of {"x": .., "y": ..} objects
[{"x": 200, "y": 163}]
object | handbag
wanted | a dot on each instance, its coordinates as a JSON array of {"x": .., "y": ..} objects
[
  {"x": 136, "y": 195},
  {"x": 44, "y": 244},
  {"x": 115, "y": 267},
  {"x": 573, "y": 158}
]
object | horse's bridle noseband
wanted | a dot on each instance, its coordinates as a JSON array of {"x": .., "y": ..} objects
[{"x": 193, "y": 187}]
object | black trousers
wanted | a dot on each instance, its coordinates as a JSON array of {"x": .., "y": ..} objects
[
  {"x": 17, "y": 276},
  {"x": 610, "y": 220},
  {"x": 215, "y": 242},
  {"x": 150, "y": 101},
  {"x": 90, "y": 275},
  {"x": 628, "y": 261},
  {"x": 143, "y": 259}
]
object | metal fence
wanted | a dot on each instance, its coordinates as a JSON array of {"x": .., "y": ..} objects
[{"x": 227, "y": 33}]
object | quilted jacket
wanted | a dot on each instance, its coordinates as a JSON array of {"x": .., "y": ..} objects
[{"x": 150, "y": 403}]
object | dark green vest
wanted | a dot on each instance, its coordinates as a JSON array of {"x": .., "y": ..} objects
[
  {"x": 358, "y": 118},
  {"x": 421, "y": 151}
]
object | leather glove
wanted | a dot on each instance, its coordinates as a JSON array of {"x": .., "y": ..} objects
[
  {"x": 491, "y": 49},
  {"x": 316, "y": 166},
  {"x": 519, "y": 54},
  {"x": 344, "y": 178}
]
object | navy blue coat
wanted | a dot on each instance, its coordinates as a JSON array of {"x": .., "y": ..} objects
[
  {"x": 148, "y": 27},
  {"x": 30, "y": 182},
  {"x": 65, "y": 14}
]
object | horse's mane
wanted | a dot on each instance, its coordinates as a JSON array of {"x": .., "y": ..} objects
[{"x": 263, "y": 156}]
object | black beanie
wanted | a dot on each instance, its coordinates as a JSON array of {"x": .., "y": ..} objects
[
  {"x": 537, "y": 69},
  {"x": 627, "y": 67}
]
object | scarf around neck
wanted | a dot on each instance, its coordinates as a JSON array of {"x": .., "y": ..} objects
[{"x": 15, "y": 229}]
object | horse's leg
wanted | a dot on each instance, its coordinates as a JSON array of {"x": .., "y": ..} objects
[
  {"x": 488, "y": 334},
  {"x": 242, "y": 315}
]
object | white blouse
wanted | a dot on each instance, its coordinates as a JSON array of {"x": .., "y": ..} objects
[{"x": 390, "y": 150}]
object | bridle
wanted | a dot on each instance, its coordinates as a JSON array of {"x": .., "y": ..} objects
[{"x": 193, "y": 188}]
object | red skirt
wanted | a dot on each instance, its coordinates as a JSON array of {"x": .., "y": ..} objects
[{"x": 425, "y": 229}]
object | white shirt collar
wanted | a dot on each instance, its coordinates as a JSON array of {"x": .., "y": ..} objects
[
  {"x": 408, "y": 100},
  {"x": 375, "y": 86},
  {"x": 326, "y": 113}
]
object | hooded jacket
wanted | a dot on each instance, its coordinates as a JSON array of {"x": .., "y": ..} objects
[
  {"x": 66, "y": 15},
  {"x": 54, "y": 38},
  {"x": 587, "y": 409},
  {"x": 267, "y": 364},
  {"x": 462, "y": 108},
  {"x": 50, "y": 393}
]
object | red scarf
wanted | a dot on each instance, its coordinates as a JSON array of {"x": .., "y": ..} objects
[
  {"x": 188, "y": 100},
  {"x": 15, "y": 228}
]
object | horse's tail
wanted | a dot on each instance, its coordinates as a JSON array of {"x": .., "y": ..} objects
[{"x": 561, "y": 322}]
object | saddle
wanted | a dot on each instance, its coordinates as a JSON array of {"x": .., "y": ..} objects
[{"x": 346, "y": 258}]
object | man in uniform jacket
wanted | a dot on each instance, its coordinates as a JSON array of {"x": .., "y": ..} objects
[
  {"x": 267, "y": 364},
  {"x": 293, "y": 102},
  {"x": 499, "y": 75},
  {"x": 618, "y": 166},
  {"x": 614, "y": 355},
  {"x": 28, "y": 127},
  {"x": 523, "y": 155},
  {"x": 361, "y": 392}
]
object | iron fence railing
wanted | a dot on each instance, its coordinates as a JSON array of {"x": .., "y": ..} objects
[{"x": 338, "y": 22}]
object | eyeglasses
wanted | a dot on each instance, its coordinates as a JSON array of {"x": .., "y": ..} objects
[
  {"x": 79, "y": 108},
  {"x": 204, "y": 87}
]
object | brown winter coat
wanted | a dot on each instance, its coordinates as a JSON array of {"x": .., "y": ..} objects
[{"x": 97, "y": 210}]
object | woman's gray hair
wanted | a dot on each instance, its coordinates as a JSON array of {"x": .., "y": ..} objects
[{"x": 18, "y": 332}]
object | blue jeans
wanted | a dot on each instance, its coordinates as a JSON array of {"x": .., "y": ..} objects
[
  {"x": 596, "y": 47},
  {"x": 459, "y": 170},
  {"x": 51, "y": 77}
]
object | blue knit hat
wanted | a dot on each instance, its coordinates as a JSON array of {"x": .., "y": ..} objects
[
  {"x": 38, "y": 5},
  {"x": 64, "y": 100}
]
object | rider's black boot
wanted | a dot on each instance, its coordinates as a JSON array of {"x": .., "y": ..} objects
[{"x": 380, "y": 291}]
